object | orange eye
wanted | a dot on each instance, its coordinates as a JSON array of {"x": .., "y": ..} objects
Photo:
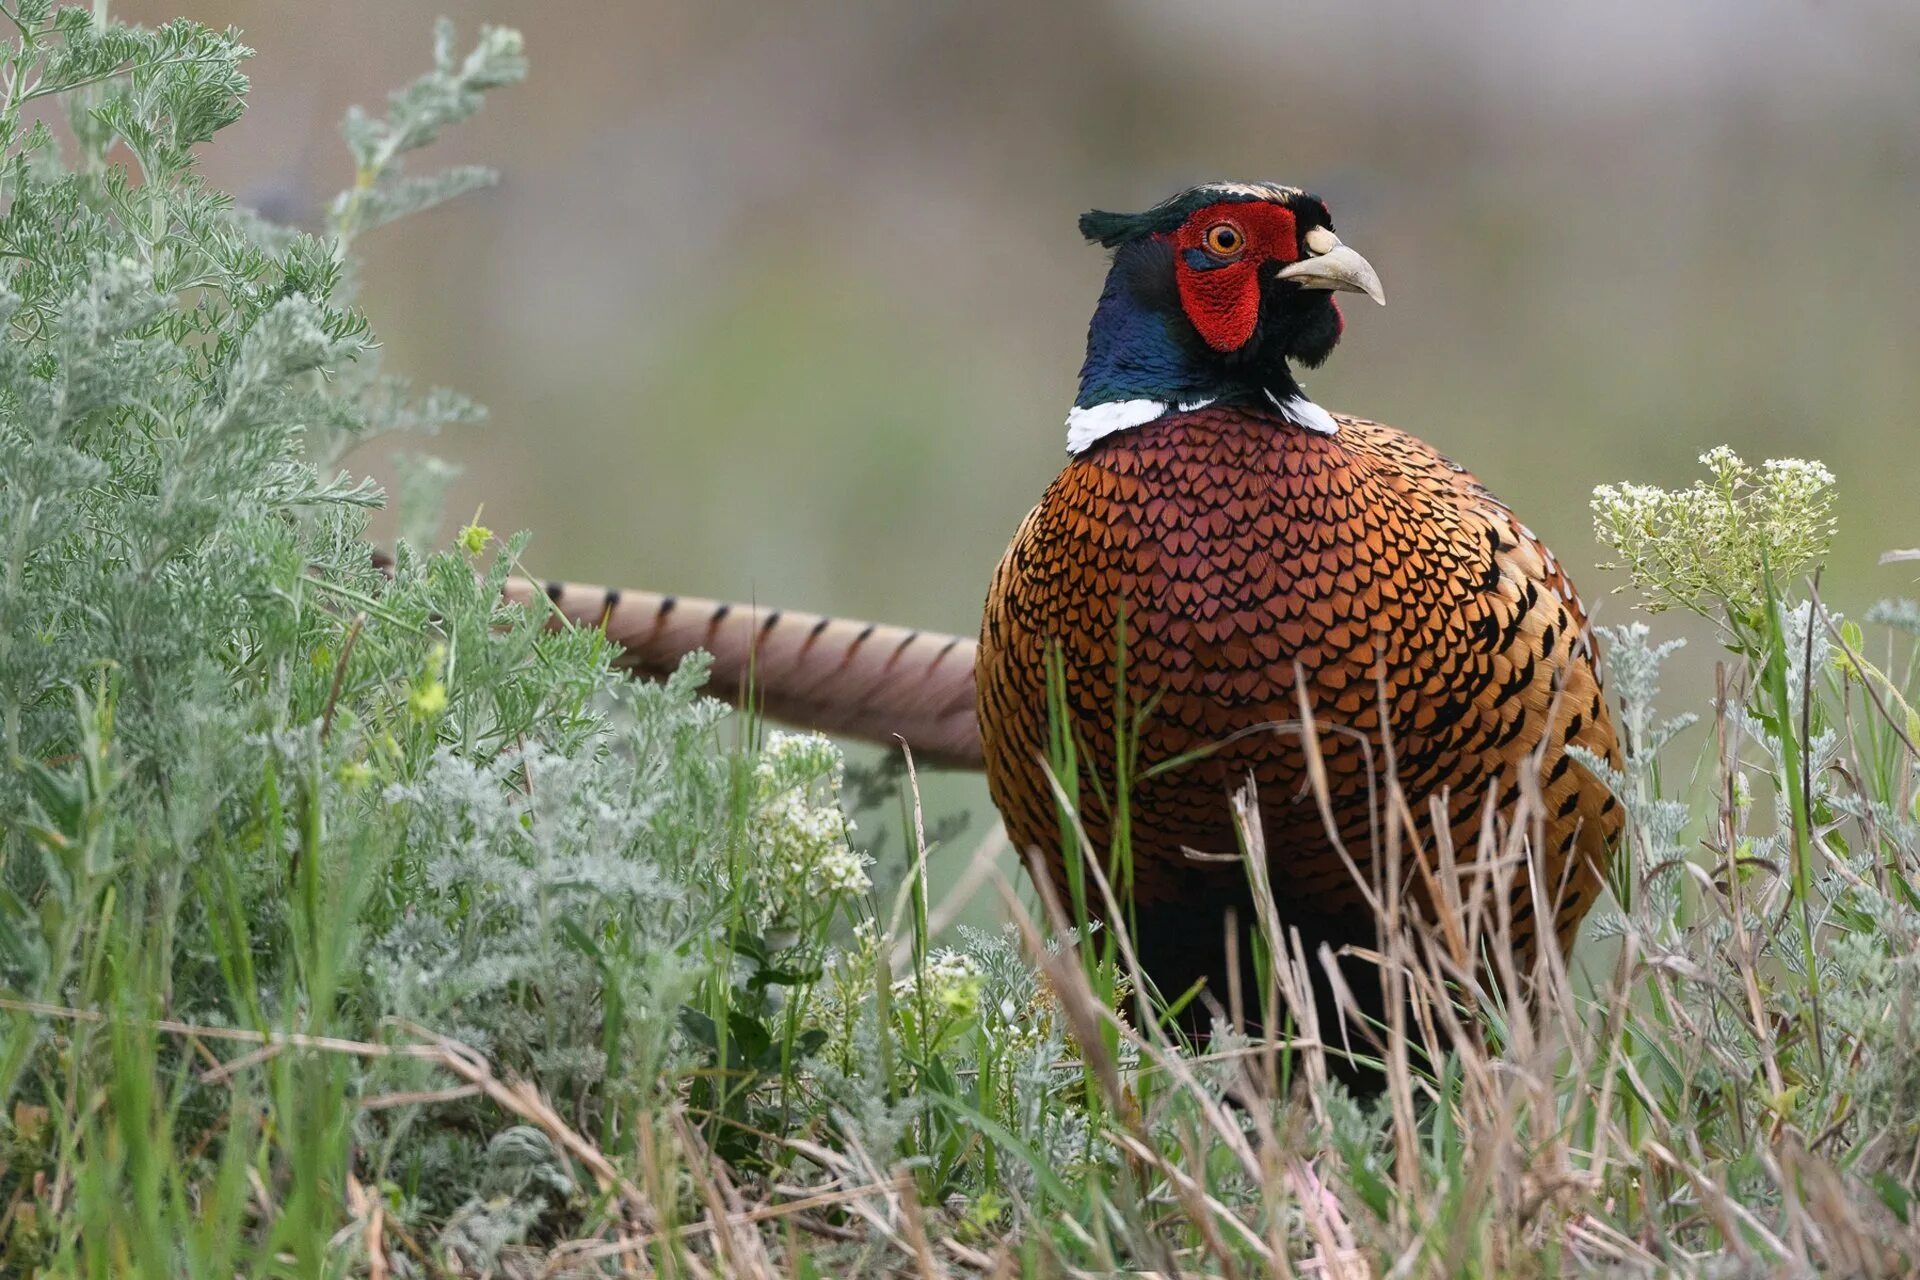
[{"x": 1224, "y": 240}]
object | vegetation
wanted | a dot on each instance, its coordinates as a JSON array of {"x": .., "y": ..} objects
[{"x": 360, "y": 925}]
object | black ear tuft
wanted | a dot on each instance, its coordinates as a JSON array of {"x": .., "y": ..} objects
[
  {"x": 1115, "y": 229},
  {"x": 1110, "y": 229}
]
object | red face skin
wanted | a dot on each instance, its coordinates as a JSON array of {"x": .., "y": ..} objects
[{"x": 1223, "y": 300}]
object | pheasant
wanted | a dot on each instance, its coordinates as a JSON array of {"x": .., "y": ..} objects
[{"x": 1258, "y": 554}]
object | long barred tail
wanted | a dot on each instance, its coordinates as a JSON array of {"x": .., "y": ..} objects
[{"x": 860, "y": 679}]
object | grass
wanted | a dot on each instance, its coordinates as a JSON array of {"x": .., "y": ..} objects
[{"x": 361, "y": 925}]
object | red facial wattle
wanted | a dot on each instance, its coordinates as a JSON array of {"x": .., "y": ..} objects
[{"x": 1221, "y": 295}]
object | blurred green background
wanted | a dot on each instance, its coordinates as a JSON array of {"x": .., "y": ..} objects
[{"x": 785, "y": 301}]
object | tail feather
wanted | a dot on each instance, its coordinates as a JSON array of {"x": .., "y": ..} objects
[{"x": 864, "y": 680}]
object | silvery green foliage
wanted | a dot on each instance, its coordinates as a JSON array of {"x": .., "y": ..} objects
[
  {"x": 1039, "y": 1058},
  {"x": 415, "y": 116},
  {"x": 159, "y": 367},
  {"x": 1646, "y": 880},
  {"x": 1875, "y": 1002},
  {"x": 522, "y": 1180},
  {"x": 1903, "y": 614},
  {"x": 1809, "y": 652},
  {"x": 233, "y": 755},
  {"x": 1019, "y": 1008},
  {"x": 1808, "y": 649},
  {"x": 876, "y": 1128},
  {"x": 1896, "y": 829},
  {"x": 157, "y": 488},
  {"x": 530, "y": 864}
]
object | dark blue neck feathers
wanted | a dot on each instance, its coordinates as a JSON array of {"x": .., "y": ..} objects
[
  {"x": 1134, "y": 351},
  {"x": 1141, "y": 346}
]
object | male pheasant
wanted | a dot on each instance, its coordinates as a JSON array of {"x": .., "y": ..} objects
[{"x": 1257, "y": 550}]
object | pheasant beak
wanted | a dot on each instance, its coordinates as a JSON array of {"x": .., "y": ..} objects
[{"x": 1334, "y": 266}]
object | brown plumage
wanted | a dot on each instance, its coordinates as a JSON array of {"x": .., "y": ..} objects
[{"x": 1251, "y": 558}]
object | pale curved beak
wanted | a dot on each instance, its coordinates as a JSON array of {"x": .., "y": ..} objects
[{"x": 1335, "y": 267}]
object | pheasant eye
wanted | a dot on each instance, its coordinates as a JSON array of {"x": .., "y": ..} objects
[{"x": 1224, "y": 240}]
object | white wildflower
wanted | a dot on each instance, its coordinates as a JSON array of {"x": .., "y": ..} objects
[
  {"x": 1805, "y": 471},
  {"x": 844, "y": 871},
  {"x": 807, "y": 846},
  {"x": 952, "y": 982},
  {"x": 805, "y": 854},
  {"x": 1721, "y": 460},
  {"x": 799, "y": 759},
  {"x": 1712, "y": 547}
]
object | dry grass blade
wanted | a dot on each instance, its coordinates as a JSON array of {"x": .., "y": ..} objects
[
  {"x": 274, "y": 1040},
  {"x": 590, "y": 1250},
  {"x": 369, "y": 1211},
  {"x": 419, "y": 1097}
]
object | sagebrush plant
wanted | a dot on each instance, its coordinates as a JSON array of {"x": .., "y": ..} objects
[{"x": 354, "y": 923}]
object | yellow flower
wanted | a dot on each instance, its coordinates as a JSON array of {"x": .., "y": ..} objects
[
  {"x": 428, "y": 701},
  {"x": 428, "y": 698},
  {"x": 474, "y": 538}
]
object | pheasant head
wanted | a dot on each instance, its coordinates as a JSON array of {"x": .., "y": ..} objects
[{"x": 1213, "y": 296}]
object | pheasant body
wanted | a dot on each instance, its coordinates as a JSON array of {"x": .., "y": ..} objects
[{"x": 1252, "y": 561}]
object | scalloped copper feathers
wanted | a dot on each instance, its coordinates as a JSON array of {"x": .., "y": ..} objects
[{"x": 1251, "y": 560}]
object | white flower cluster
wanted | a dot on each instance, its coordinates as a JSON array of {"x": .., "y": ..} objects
[
  {"x": 804, "y": 848},
  {"x": 1797, "y": 480},
  {"x": 1712, "y": 546},
  {"x": 952, "y": 982},
  {"x": 799, "y": 759}
]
